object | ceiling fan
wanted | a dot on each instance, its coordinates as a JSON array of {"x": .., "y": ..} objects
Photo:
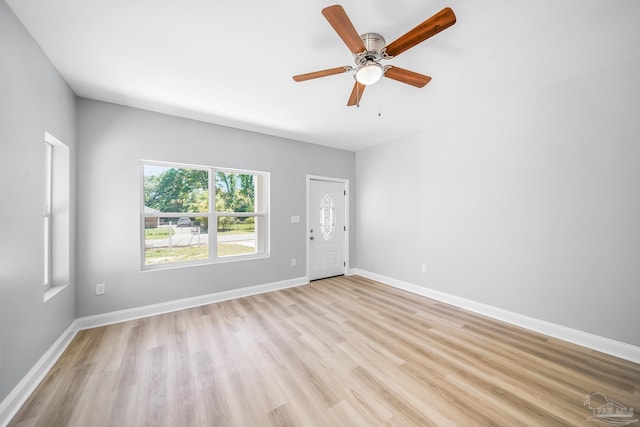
[{"x": 369, "y": 49}]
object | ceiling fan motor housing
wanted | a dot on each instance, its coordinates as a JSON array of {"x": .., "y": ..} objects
[{"x": 373, "y": 43}]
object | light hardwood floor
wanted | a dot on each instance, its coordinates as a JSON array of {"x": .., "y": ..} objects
[{"x": 344, "y": 351}]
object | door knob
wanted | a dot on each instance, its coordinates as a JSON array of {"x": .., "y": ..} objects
[{"x": 311, "y": 238}]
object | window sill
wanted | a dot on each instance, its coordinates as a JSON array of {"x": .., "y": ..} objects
[
  {"x": 53, "y": 291},
  {"x": 222, "y": 260}
]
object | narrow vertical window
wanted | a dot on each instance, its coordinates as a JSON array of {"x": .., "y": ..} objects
[
  {"x": 48, "y": 168},
  {"x": 56, "y": 219}
]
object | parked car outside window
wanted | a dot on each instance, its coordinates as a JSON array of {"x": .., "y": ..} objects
[{"x": 183, "y": 222}]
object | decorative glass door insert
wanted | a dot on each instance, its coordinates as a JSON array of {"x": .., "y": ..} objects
[{"x": 327, "y": 217}]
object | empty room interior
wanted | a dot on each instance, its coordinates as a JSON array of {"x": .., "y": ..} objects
[{"x": 312, "y": 214}]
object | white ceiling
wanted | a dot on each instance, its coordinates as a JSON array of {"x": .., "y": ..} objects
[{"x": 231, "y": 62}]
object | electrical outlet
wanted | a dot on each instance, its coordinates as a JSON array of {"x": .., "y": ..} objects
[
  {"x": 293, "y": 262},
  {"x": 424, "y": 268},
  {"x": 101, "y": 289}
]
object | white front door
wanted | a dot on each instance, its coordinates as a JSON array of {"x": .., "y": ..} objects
[{"x": 326, "y": 233}]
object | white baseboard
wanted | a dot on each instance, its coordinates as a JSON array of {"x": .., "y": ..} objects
[
  {"x": 584, "y": 339},
  {"x": 181, "y": 304},
  {"x": 12, "y": 403},
  {"x": 19, "y": 395}
]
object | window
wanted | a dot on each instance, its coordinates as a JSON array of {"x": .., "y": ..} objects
[
  {"x": 48, "y": 167},
  {"x": 56, "y": 215},
  {"x": 197, "y": 214},
  {"x": 240, "y": 208}
]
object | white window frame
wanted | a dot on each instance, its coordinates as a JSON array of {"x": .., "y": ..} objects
[
  {"x": 56, "y": 222},
  {"x": 262, "y": 211}
]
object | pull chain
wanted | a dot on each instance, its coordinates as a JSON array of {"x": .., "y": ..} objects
[{"x": 379, "y": 96}]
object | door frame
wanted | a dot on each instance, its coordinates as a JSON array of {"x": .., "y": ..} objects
[{"x": 346, "y": 218}]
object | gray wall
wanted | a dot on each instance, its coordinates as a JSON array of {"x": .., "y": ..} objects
[
  {"x": 533, "y": 206},
  {"x": 113, "y": 139},
  {"x": 33, "y": 99}
]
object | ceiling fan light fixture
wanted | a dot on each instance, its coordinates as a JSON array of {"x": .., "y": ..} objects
[{"x": 369, "y": 73}]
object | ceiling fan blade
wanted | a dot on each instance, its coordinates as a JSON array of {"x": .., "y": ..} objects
[
  {"x": 340, "y": 22},
  {"x": 321, "y": 73},
  {"x": 356, "y": 94},
  {"x": 432, "y": 26},
  {"x": 405, "y": 76}
]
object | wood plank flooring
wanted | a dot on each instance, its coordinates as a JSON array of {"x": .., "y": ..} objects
[{"x": 343, "y": 351}]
